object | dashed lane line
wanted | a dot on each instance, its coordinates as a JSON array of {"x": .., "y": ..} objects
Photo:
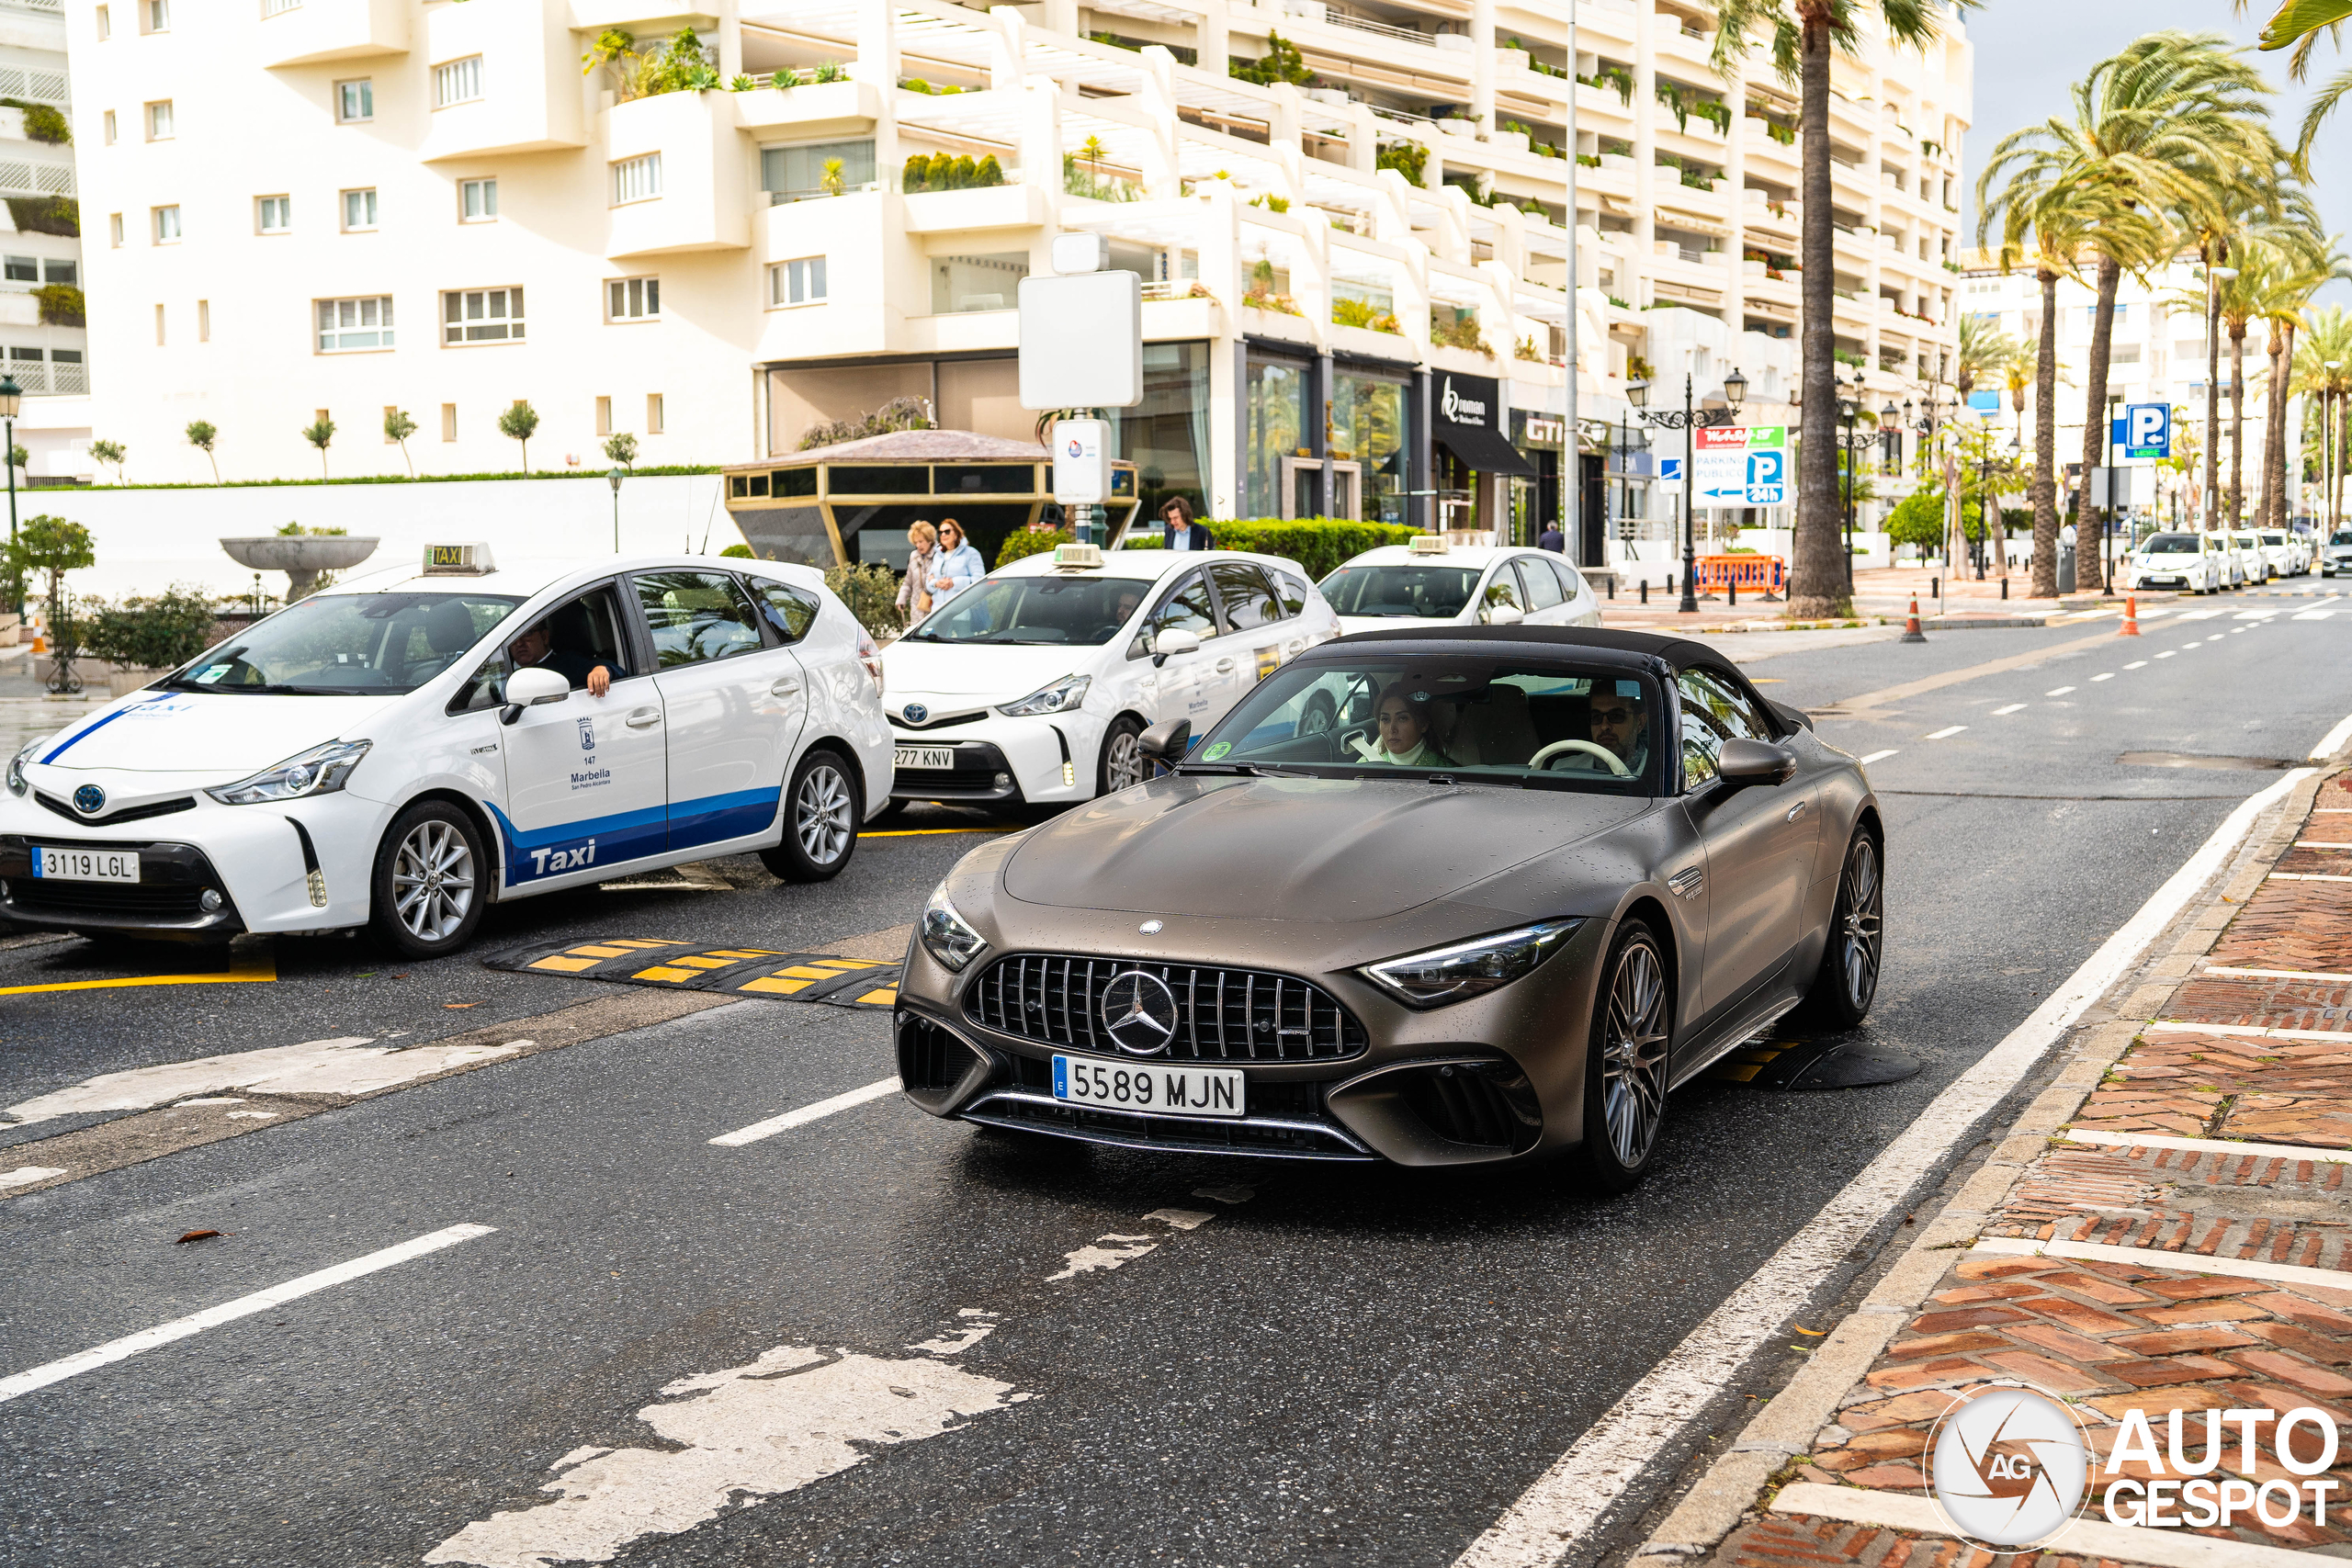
[
  {"x": 1881, "y": 756},
  {"x": 229, "y": 1312},
  {"x": 2057, "y": 690},
  {"x": 2137, "y": 665},
  {"x": 2167, "y": 653},
  {"x": 2110, "y": 675},
  {"x": 2013, "y": 707},
  {"x": 807, "y": 1113},
  {"x": 1946, "y": 733}
]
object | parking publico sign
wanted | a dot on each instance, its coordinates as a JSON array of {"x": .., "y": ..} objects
[
  {"x": 2009, "y": 1467},
  {"x": 1741, "y": 465}
]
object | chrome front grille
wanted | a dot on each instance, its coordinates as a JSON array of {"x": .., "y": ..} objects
[{"x": 1222, "y": 1015}]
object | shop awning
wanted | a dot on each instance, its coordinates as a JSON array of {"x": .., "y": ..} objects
[{"x": 1482, "y": 449}]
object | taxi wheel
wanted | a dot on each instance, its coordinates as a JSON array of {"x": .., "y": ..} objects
[
  {"x": 820, "y": 821},
  {"x": 1122, "y": 759},
  {"x": 427, "y": 887}
]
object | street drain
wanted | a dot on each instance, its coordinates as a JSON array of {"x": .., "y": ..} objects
[
  {"x": 1836, "y": 1063},
  {"x": 2190, "y": 760}
]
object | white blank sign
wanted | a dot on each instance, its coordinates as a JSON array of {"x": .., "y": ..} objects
[{"x": 1082, "y": 341}]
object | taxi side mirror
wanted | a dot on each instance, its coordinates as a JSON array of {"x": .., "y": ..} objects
[
  {"x": 1503, "y": 616},
  {"x": 1166, "y": 743},
  {"x": 1174, "y": 640},
  {"x": 529, "y": 688}
]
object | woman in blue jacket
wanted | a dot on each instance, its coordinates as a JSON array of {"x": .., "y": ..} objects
[{"x": 957, "y": 567}]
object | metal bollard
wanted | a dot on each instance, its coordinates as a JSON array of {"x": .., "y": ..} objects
[
  {"x": 1646, "y": 591},
  {"x": 1935, "y": 588},
  {"x": 2005, "y": 590},
  {"x": 1612, "y": 585},
  {"x": 1731, "y": 592}
]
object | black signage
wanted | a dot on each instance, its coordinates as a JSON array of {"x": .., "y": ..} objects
[{"x": 1466, "y": 415}]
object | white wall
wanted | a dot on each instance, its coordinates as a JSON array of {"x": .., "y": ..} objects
[{"x": 148, "y": 539}]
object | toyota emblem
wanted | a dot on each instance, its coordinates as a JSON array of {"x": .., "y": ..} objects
[
  {"x": 1139, "y": 1011},
  {"x": 914, "y": 712},
  {"x": 89, "y": 800}
]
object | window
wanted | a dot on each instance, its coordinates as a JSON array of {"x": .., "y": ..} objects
[
  {"x": 359, "y": 211},
  {"x": 159, "y": 326},
  {"x": 105, "y": 29},
  {"x": 204, "y": 320},
  {"x": 636, "y": 179},
  {"x": 20, "y": 269},
  {"x": 167, "y": 225},
  {"x": 604, "y": 416},
  {"x": 345, "y": 325},
  {"x": 114, "y": 226},
  {"x": 477, "y": 200},
  {"x": 585, "y": 633},
  {"x": 798, "y": 282},
  {"x": 159, "y": 121},
  {"x": 1249, "y": 602},
  {"x": 791, "y": 611},
  {"x": 815, "y": 169},
  {"x": 1713, "y": 711},
  {"x": 1542, "y": 588},
  {"x": 355, "y": 100},
  {"x": 1186, "y": 609},
  {"x": 159, "y": 16},
  {"x": 481, "y": 315},
  {"x": 458, "y": 82},
  {"x": 278, "y": 7},
  {"x": 274, "y": 214},
  {"x": 448, "y": 421},
  {"x": 653, "y": 413},
  {"x": 697, "y": 616},
  {"x": 109, "y": 124},
  {"x": 55, "y": 271},
  {"x": 633, "y": 299}
]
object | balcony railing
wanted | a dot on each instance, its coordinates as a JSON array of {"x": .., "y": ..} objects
[
  {"x": 46, "y": 179},
  {"x": 42, "y": 86},
  {"x": 1380, "y": 29},
  {"x": 40, "y": 378}
]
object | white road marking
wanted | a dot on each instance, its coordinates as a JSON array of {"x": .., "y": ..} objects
[
  {"x": 2013, "y": 707},
  {"x": 1946, "y": 733},
  {"x": 2234, "y": 630},
  {"x": 795, "y": 1415},
  {"x": 347, "y": 1065},
  {"x": 2273, "y": 974},
  {"x": 26, "y": 1174},
  {"x": 1881, "y": 756},
  {"x": 2167, "y": 653},
  {"x": 229, "y": 1312},
  {"x": 1550, "y": 1521},
  {"x": 805, "y": 1114},
  {"x": 2244, "y": 1030},
  {"x": 2137, "y": 665},
  {"x": 2200, "y": 614},
  {"x": 2109, "y": 676},
  {"x": 2332, "y": 741},
  {"x": 2057, "y": 690},
  {"x": 2253, "y": 615},
  {"x": 978, "y": 1325},
  {"x": 2320, "y": 844},
  {"x": 1103, "y": 1253}
]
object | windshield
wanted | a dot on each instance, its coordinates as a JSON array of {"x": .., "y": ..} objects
[
  {"x": 1496, "y": 720},
  {"x": 2341, "y": 536},
  {"x": 1429, "y": 592},
  {"x": 2274, "y": 538},
  {"x": 2172, "y": 545},
  {"x": 341, "y": 643},
  {"x": 1080, "y": 610}
]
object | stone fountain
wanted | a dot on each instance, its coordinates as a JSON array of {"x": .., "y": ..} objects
[{"x": 302, "y": 557}]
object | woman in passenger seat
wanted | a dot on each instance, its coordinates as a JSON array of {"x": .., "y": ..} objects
[{"x": 1404, "y": 720}]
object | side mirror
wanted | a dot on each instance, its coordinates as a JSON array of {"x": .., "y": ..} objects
[
  {"x": 1166, "y": 742},
  {"x": 1174, "y": 640},
  {"x": 529, "y": 688},
  {"x": 1503, "y": 616},
  {"x": 1745, "y": 761}
]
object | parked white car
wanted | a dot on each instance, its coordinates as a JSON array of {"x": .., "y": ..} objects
[
  {"x": 410, "y": 746},
  {"x": 1429, "y": 583},
  {"x": 2255, "y": 567},
  {"x": 2193, "y": 562},
  {"x": 2336, "y": 556},
  {"x": 1032, "y": 686},
  {"x": 2283, "y": 552}
]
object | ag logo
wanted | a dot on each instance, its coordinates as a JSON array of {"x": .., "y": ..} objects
[
  {"x": 2008, "y": 1467},
  {"x": 89, "y": 800},
  {"x": 1139, "y": 1011},
  {"x": 587, "y": 734}
]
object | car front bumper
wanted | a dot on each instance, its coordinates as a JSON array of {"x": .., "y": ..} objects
[{"x": 999, "y": 760}]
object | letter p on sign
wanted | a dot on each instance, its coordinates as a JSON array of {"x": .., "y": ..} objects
[{"x": 2147, "y": 430}]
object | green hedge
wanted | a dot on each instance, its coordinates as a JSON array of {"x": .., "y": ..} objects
[{"x": 1321, "y": 545}]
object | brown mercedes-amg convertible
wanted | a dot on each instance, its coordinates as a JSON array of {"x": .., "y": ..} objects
[{"x": 1437, "y": 896}]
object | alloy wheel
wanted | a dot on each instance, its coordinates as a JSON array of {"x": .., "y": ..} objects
[
  {"x": 1123, "y": 765},
  {"x": 1860, "y": 935},
  {"x": 1633, "y": 1069},
  {"x": 433, "y": 880},
  {"x": 822, "y": 815}
]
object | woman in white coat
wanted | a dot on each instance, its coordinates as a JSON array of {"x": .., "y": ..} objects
[{"x": 957, "y": 567}]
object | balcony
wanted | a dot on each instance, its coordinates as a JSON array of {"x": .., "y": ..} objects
[
  {"x": 1010, "y": 205},
  {"x": 819, "y": 110},
  {"x": 529, "y": 84},
  {"x": 312, "y": 32},
  {"x": 705, "y": 175}
]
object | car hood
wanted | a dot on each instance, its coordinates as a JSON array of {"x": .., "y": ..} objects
[
  {"x": 976, "y": 674},
  {"x": 203, "y": 732},
  {"x": 1328, "y": 850}
]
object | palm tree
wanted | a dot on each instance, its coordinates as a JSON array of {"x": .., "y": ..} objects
[
  {"x": 2151, "y": 127},
  {"x": 2278, "y": 274},
  {"x": 1802, "y": 34},
  {"x": 1984, "y": 350},
  {"x": 2323, "y": 367},
  {"x": 2297, "y": 25}
]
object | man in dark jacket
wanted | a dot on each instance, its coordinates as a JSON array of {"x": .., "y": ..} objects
[
  {"x": 1552, "y": 539},
  {"x": 1182, "y": 531}
]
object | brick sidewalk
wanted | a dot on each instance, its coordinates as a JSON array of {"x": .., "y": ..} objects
[{"x": 2178, "y": 1237}]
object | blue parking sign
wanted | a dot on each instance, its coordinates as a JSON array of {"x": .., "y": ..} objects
[{"x": 2145, "y": 430}]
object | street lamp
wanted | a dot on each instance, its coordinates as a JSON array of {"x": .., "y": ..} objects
[
  {"x": 12, "y": 399},
  {"x": 1689, "y": 419},
  {"x": 2331, "y": 442},
  {"x": 2215, "y": 278},
  {"x": 616, "y": 477}
]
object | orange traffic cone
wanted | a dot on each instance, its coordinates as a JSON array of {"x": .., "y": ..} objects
[
  {"x": 1911, "y": 632},
  {"x": 2131, "y": 616}
]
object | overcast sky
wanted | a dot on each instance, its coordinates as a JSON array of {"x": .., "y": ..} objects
[{"x": 2030, "y": 51}]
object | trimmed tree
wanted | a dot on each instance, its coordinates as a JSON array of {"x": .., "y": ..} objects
[
  {"x": 398, "y": 427},
  {"x": 201, "y": 433},
  {"x": 519, "y": 423},
  {"x": 111, "y": 453},
  {"x": 320, "y": 433}
]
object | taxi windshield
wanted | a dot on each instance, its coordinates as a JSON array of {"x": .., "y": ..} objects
[
  {"x": 2171, "y": 545},
  {"x": 340, "y": 643},
  {"x": 1429, "y": 592},
  {"x": 1502, "y": 720},
  {"x": 1087, "y": 611}
]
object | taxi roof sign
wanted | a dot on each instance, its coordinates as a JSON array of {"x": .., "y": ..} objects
[
  {"x": 1078, "y": 554},
  {"x": 1427, "y": 544},
  {"x": 469, "y": 559}
]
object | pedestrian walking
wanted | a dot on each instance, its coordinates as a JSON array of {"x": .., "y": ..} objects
[
  {"x": 1552, "y": 539},
  {"x": 1183, "y": 532},
  {"x": 922, "y": 563},
  {"x": 959, "y": 565}
]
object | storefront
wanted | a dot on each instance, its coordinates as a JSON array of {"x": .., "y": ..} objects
[
  {"x": 1478, "y": 462},
  {"x": 1325, "y": 436},
  {"x": 1536, "y": 499}
]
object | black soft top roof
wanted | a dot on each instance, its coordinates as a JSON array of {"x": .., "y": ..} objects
[{"x": 1680, "y": 652}]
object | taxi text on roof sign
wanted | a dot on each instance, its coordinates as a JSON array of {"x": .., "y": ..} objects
[{"x": 469, "y": 560}]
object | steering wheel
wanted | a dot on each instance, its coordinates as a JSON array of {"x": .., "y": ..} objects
[{"x": 1561, "y": 748}]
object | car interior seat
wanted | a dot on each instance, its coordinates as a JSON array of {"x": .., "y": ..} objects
[{"x": 1496, "y": 731}]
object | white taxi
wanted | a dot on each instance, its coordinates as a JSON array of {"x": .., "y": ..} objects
[
  {"x": 1032, "y": 686},
  {"x": 412, "y": 745},
  {"x": 2189, "y": 559},
  {"x": 1430, "y": 582}
]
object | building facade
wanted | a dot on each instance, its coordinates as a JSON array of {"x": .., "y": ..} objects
[{"x": 43, "y": 344}]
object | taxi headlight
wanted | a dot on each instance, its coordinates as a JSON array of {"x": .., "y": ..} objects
[
  {"x": 321, "y": 770},
  {"x": 1060, "y": 697},
  {"x": 1469, "y": 969},
  {"x": 16, "y": 785},
  {"x": 946, "y": 936}
]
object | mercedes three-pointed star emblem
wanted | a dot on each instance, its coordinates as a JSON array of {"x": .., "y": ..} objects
[{"x": 1139, "y": 1011}]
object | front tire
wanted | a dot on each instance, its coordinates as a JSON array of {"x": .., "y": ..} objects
[
  {"x": 426, "y": 894},
  {"x": 1121, "y": 763},
  {"x": 1847, "y": 982},
  {"x": 1625, "y": 1061},
  {"x": 820, "y": 820}
]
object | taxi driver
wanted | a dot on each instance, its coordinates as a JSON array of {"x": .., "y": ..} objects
[
  {"x": 535, "y": 648},
  {"x": 1620, "y": 722}
]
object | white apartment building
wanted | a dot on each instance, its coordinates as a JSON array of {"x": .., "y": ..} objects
[
  {"x": 2158, "y": 356},
  {"x": 42, "y": 342}
]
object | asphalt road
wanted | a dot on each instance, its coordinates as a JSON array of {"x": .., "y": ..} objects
[{"x": 1132, "y": 1359}]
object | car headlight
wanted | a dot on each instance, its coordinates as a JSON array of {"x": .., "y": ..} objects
[
  {"x": 321, "y": 770},
  {"x": 1469, "y": 969},
  {"x": 16, "y": 784},
  {"x": 946, "y": 936},
  {"x": 1060, "y": 697}
]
